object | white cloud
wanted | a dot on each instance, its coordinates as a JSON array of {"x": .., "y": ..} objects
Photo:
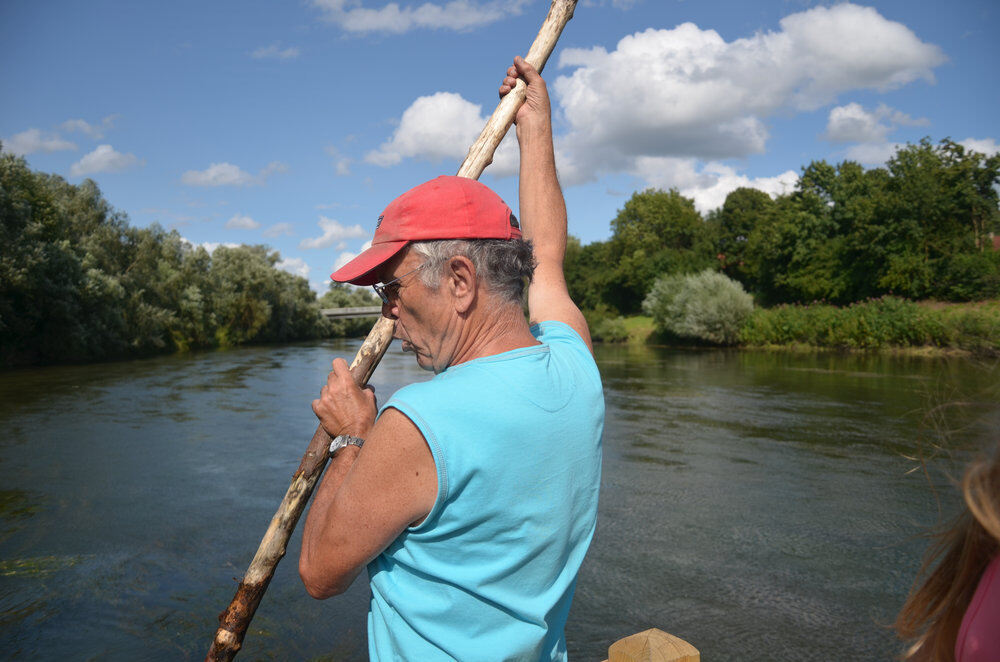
[
  {"x": 341, "y": 163},
  {"x": 103, "y": 159},
  {"x": 279, "y": 229},
  {"x": 241, "y": 222},
  {"x": 435, "y": 127},
  {"x": 853, "y": 123},
  {"x": 227, "y": 174},
  {"x": 459, "y": 15},
  {"x": 295, "y": 266},
  {"x": 872, "y": 154},
  {"x": 270, "y": 169},
  {"x": 869, "y": 130},
  {"x": 95, "y": 131},
  {"x": 333, "y": 233},
  {"x": 708, "y": 185},
  {"x": 686, "y": 92},
  {"x": 275, "y": 52},
  {"x": 342, "y": 259},
  {"x": 440, "y": 127},
  {"x": 209, "y": 246},
  {"x": 987, "y": 146},
  {"x": 33, "y": 140},
  {"x": 347, "y": 256},
  {"x": 218, "y": 174}
]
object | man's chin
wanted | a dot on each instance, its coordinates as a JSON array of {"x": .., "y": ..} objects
[{"x": 423, "y": 361}]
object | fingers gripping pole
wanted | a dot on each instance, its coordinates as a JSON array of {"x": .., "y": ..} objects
[{"x": 235, "y": 620}]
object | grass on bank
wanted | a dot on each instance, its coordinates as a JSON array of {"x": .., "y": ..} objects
[
  {"x": 883, "y": 323},
  {"x": 606, "y": 327}
]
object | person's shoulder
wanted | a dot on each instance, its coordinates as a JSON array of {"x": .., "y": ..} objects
[
  {"x": 413, "y": 394},
  {"x": 551, "y": 331}
]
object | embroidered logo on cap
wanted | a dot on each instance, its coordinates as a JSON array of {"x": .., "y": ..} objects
[{"x": 379, "y": 221}]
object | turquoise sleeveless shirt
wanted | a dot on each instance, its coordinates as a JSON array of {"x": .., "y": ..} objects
[{"x": 489, "y": 574}]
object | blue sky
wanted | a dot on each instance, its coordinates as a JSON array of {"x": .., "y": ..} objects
[{"x": 294, "y": 123}]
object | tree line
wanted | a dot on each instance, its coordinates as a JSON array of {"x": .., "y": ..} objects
[
  {"x": 924, "y": 226},
  {"x": 79, "y": 283}
]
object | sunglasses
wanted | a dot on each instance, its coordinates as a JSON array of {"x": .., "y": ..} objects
[{"x": 389, "y": 291}]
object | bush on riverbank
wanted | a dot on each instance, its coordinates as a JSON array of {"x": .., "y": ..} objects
[
  {"x": 706, "y": 306},
  {"x": 878, "y": 323},
  {"x": 606, "y": 326},
  {"x": 884, "y": 323}
]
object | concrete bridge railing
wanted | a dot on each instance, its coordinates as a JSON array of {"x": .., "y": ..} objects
[{"x": 352, "y": 313}]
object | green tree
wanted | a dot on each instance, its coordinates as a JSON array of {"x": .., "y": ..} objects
[
  {"x": 793, "y": 253},
  {"x": 856, "y": 203},
  {"x": 944, "y": 207},
  {"x": 656, "y": 232},
  {"x": 78, "y": 283},
  {"x": 587, "y": 274},
  {"x": 50, "y": 305},
  {"x": 917, "y": 228},
  {"x": 255, "y": 301},
  {"x": 744, "y": 210}
]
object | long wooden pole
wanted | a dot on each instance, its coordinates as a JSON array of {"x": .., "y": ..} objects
[{"x": 234, "y": 621}]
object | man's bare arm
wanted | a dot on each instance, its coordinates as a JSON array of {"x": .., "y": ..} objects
[
  {"x": 368, "y": 496},
  {"x": 543, "y": 208}
]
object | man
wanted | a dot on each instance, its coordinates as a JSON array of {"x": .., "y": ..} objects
[{"x": 471, "y": 498}]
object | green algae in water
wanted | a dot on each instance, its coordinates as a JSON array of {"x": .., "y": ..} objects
[
  {"x": 18, "y": 504},
  {"x": 38, "y": 566}
]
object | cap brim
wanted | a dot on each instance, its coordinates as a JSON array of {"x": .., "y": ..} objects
[{"x": 364, "y": 269}]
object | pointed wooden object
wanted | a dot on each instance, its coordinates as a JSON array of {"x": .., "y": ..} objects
[{"x": 652, "y": 646}]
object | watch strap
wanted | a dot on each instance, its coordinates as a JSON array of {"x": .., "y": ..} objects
[{"x": 345, "y": 440}]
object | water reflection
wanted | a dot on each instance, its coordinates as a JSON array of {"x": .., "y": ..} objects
[{"x": 757, "y": 504}]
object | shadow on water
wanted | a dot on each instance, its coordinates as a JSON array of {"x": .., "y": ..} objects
[{"x": 757, "y": 504}]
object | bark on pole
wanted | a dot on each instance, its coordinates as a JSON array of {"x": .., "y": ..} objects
[{"x": 235, "y": 620}]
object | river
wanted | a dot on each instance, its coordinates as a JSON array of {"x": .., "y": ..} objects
[{"x": 759, "y": 505}]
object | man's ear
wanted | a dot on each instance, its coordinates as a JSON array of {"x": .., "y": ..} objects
[{"x": 462, "y": 282}]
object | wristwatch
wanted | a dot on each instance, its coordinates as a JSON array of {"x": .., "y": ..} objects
[{"x": 343, "y": 440}]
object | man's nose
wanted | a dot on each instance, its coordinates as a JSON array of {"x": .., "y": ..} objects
[{"x": 389, "y": 310}]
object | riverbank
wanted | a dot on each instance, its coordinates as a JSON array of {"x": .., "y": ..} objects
[{"x": 885, "y": 324}]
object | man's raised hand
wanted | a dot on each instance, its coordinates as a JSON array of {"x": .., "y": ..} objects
[{"x": 536, "y": 105}]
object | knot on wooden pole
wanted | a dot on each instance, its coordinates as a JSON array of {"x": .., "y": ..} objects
[{"x": 652, "y": 645}]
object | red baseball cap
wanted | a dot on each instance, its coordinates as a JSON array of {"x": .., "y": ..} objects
[{"x": 447, "y": 207}]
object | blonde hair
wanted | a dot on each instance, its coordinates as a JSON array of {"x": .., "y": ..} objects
[{"x": 935, "y": 607}]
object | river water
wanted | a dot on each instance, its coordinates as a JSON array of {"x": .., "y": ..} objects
[{"x": 759, "y": 505}]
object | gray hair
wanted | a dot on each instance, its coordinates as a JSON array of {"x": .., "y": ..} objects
[{"x": 502, "y": 265}]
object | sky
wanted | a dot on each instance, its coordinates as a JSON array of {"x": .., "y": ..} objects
[{"x": 293, "y": 124}]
